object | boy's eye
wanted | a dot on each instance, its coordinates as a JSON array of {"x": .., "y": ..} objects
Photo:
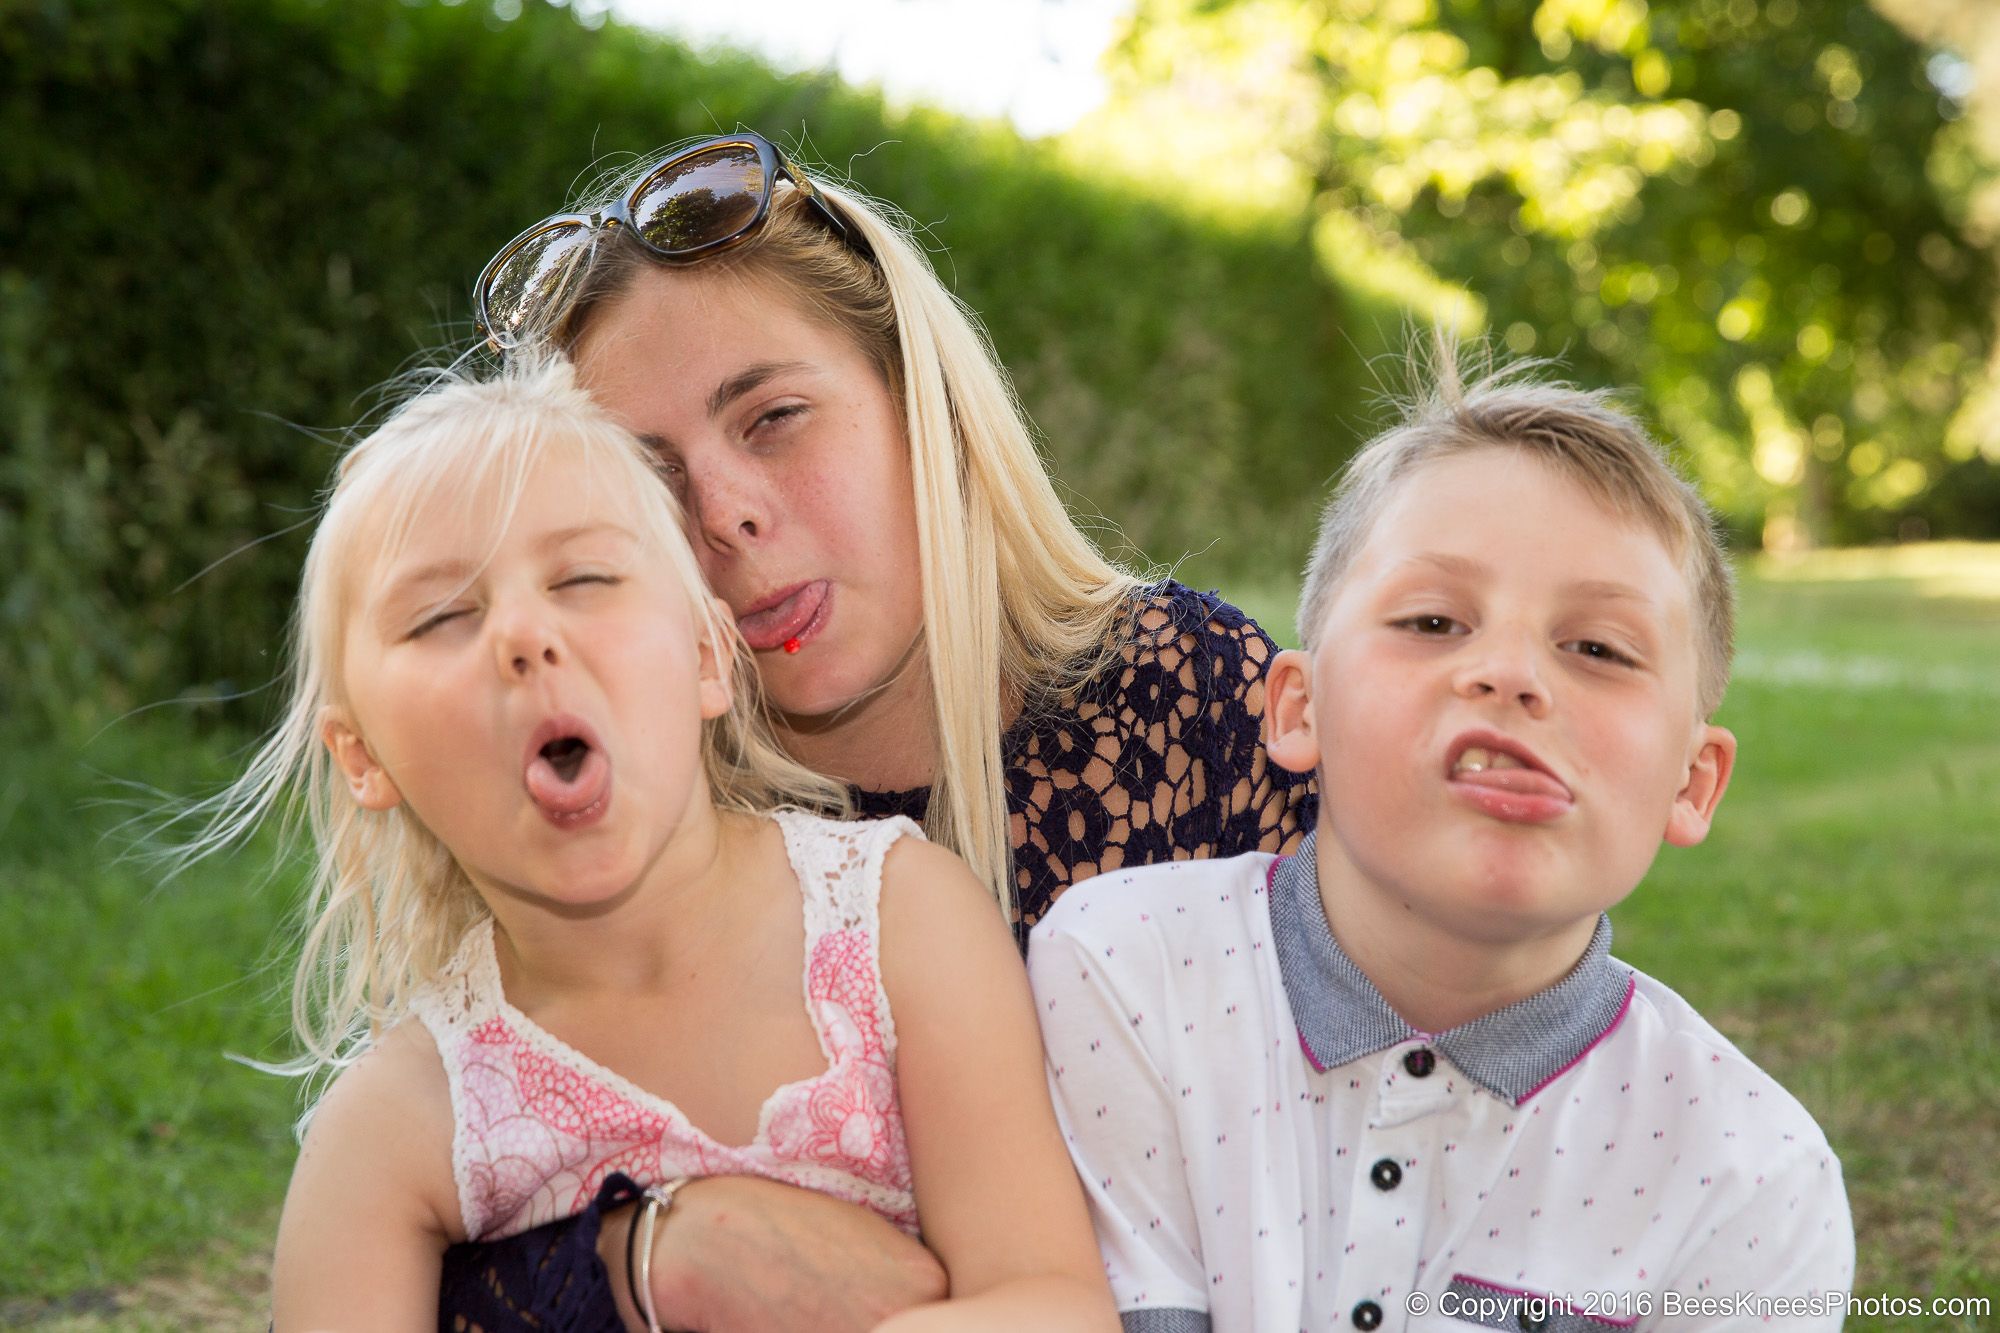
[
  {"x": 1599, "y": 650},
  {"x": 1430, "y": 625}
]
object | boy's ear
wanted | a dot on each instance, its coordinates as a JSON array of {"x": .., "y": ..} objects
[
  {"x": 1707, "y": 778},
  {"x": 718, "y": 660},
  {"x": 370, "y": 783},
  {"x": 1288, "y": 713}
]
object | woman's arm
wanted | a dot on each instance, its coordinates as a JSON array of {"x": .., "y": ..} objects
[
  {"x": 372, "y": 1203},
  {"x": 999, "y": 1202},
  {"x": 736, "y": 1254}
]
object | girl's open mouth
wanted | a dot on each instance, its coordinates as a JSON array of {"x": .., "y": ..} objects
[{"x": 568, "y": 774}]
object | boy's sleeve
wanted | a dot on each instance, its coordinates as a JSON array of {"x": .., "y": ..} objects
[
  {"x": 1115, "y": 1103},
  {"x": 1785, "y": 1258}
]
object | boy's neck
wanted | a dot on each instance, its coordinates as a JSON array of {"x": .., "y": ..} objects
[{"x": 1436, "y": 977}]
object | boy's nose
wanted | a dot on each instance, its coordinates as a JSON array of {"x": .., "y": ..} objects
[{"x": 1508, "y": 672}]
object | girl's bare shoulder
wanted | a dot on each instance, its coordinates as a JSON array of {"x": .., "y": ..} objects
[{"x": 388, "y": 1117}]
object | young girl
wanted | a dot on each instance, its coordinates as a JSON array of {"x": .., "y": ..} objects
[{"x": 568, "y": 898}]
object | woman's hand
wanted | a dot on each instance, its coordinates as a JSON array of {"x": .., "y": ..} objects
[{"x": 738, "y": 1254}]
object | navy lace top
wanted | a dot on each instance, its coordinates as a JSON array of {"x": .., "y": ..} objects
[{"x": 1156, "y": 759}]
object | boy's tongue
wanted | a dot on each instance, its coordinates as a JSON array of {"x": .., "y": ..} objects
[
  {"x": 562, "y": 786},
  {"x": 1518, "y": 781}
]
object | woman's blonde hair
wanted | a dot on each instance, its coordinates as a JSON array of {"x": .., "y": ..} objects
[
  {"x": 1018, "y": 603},
  {"x": 386, "y": 903}
]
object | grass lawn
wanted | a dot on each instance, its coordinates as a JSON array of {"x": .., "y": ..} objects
[{"x": 1842, "y": 924}]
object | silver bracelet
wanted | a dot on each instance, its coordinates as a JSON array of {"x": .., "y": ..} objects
[{"x": 658, "y": 1199}]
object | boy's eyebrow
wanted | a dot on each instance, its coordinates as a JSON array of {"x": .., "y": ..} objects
[
  {"x": 1458, "y": 566},
  {"x": 1607, "y": 590}
]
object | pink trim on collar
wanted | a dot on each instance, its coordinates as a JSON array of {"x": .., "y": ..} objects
[
  {"x": 1624, "y": 1006},
  {"x": 1543, "y": 1297}
]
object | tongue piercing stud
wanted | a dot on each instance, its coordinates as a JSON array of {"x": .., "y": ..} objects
[{"x": 791, "y": 645}]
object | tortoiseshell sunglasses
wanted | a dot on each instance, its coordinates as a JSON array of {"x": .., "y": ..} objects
[{"x": 693, "y": 204}]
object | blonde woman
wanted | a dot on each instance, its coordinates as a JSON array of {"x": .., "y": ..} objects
[{"x": 930, "y": 627}]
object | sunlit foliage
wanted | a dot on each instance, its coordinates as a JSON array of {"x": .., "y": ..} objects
[{"x": 1759, "y": 214}]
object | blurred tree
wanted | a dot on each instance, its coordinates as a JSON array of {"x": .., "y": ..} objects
[{"x": 1757, "y": 212}]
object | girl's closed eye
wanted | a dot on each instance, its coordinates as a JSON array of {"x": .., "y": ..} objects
[
  {"x": 588, "y": 577},
  {"x": 437, "y": 619}
]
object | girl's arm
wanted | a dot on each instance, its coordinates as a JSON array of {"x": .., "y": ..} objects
[
  {"x": 372, "y": 1203},
  {"x": 999, "y": 1201}
]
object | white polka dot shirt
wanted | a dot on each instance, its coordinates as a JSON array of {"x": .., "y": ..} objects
[{"x": 1268, "y": 1146}]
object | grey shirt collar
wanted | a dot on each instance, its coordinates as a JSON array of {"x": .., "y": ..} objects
[{"x": 1513, "y": 1052}]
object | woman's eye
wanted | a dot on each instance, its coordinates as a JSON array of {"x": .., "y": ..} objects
[
  {"x": 777, "y": 416},
  {"x": 575, "y": 579}
]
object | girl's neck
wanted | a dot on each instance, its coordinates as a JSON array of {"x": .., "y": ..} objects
[
  {"x": 1434, "y": 975},
  {"x": 646, "y": 938}
]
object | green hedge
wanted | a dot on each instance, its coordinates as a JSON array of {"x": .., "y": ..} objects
[{"x": 223, "y": 224}]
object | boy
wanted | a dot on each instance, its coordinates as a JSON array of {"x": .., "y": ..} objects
[{"x": 1396, "y": 1080}]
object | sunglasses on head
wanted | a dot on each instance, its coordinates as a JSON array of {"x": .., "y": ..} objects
[{"x": 690, "y": 205}]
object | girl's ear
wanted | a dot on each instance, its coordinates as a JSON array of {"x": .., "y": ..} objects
[
  {"x": 1288, "y": 713},
  {"x": 718, "y": 660},
  {"x": 1707, "y": 779},
  {"x": 370, "y": 783}
]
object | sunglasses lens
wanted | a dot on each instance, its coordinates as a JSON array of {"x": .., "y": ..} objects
[
  {"x": 529, "y": 284},
  {"x": 700, "y": 200}
]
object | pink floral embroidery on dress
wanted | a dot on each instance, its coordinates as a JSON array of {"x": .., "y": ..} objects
[{"x": 539, "y": 1125}]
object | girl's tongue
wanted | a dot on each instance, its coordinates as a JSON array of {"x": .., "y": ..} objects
[{"x": 568, "y": 781}]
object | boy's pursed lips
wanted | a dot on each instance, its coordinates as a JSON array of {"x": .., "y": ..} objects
[{"x": 1504, "y": 778}]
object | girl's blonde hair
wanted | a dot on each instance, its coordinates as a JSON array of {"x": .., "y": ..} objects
[
  {"x": 1018, "y": 603},
  {"x": 387, "y": 904}
]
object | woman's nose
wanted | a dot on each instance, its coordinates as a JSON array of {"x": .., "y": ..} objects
[{"x": 728, "y": 503}]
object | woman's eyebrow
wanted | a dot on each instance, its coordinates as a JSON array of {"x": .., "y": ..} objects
[{"x": 743, "y": 381}]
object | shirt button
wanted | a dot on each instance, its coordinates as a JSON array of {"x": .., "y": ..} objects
[
  {"x": 1367, "y": 1315},
  {"x": 1529, "y": 1322},
  {"x": 1420, "y": 1062},
  {"x": 1386, "y": 1174}
]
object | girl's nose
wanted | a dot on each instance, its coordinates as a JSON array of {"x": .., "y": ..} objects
[{"x": 525, "y": 642}]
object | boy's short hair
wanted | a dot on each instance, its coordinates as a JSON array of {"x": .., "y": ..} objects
[{"x": 1583, "y": 435}]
